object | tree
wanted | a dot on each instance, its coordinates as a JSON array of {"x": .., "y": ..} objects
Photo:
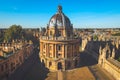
[
  {"x": 119, "y": 59},
  {"x": 95, "y": 37},
  {"x": 14, "y": 32},
  {"x": 1, "y": 36},
  {"x": 116, "y": 34}
]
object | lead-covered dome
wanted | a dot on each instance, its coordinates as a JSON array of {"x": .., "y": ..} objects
[
  {"x": 59, "y": 25},
  {"x": 59, "y": 19}
]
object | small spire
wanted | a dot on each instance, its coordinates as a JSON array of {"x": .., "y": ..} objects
[
  {"x": 59, "y": 8},
  {"x": 100, "y": 50},
  {"x": 113, "y": 53}
]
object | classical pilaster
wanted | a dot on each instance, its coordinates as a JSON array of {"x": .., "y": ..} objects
[
  {"x": 55, "y": 51},
  {"x": 66, "y": 51},
  {"x": 63, "y": 51}
]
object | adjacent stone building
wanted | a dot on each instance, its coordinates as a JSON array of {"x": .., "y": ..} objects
[
  {"x": 58, "y": 47},
  {"x": 106, "y": 60},
  {"x": 12, "y": 55}
]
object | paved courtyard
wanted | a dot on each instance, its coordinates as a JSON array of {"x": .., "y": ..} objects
[{"x": 98, "y": 72}]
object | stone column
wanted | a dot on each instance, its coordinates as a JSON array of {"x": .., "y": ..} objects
[
  {"x": 65, "y": 51},
  {"x": 46, "y": 49},
  {"x": 55, "y": 51}
]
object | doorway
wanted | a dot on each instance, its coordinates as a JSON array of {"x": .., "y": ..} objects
[{"x": 59, "y": 65}]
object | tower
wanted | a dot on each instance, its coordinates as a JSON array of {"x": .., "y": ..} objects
[{"x": 58, "y": 47}]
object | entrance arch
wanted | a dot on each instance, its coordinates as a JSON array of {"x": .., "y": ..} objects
[{"x": 59, "y": 65}]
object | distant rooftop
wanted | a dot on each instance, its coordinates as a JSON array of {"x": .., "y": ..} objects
[{"x": 114, "y": 62}]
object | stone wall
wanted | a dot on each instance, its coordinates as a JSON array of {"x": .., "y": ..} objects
[
  {"x": 10, "y": 64},
  {"x": 112, "y": 69}
]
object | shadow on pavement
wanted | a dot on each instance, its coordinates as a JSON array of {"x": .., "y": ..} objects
[
  {"x": 86, "y": 60},
  {"x": 31, "y": 69}
]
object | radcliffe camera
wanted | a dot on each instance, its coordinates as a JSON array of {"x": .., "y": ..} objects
[{"x": 59, "y": 40}]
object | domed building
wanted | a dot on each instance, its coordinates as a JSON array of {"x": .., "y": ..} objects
[{"x": 58, "y": 47}]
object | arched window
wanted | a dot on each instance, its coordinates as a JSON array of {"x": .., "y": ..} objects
[
  {"x": 59, "y": 33},
  {"x": 59, "y": 47},
  {"x": 59, "y": 65},
  {"x": 50, "y": 64},
  {"x": 51, "y": 33}
]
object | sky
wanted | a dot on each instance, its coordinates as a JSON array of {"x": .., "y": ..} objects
[{"x": 82, "y": 13}]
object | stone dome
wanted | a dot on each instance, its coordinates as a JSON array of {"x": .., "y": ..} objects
[{"x": 59, "y": 19}]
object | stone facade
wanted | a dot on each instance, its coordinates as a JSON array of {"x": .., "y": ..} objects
[
  {"x": 106, "y": 60},
  {"x": 105, "y": 49},
  {"x": 12, "y": 57},
  {"x": 58, "y": 47}
]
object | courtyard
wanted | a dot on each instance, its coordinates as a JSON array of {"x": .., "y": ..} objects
[{"x": 33, "y": 69}]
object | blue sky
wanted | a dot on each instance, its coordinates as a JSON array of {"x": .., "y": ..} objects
[{"x": 82, "y": 13}]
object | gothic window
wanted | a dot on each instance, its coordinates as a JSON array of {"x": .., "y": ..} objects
[
  {"x": 59, "y": 33},
  {"x": 50, "y": 33}
]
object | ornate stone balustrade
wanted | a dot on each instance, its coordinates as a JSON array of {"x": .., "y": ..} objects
[{"x": 56, "y": 38}]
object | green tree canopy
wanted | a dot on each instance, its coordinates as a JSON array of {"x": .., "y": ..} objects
[
  {"x": 14, "y": 32},
  {"x": 95, "y": 37},
  {"x": 119, "y": 59},
  {"x": 116, "y": 34}
]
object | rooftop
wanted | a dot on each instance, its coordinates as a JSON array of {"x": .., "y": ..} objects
[{"x": 114, "y": 62}]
